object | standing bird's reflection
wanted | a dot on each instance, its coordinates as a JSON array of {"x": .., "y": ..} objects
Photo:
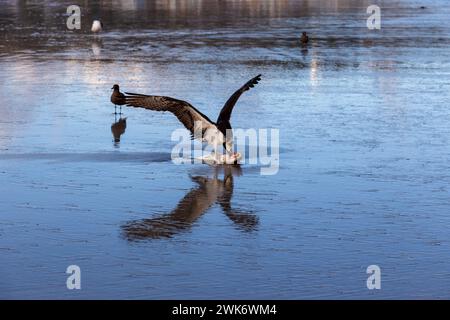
[
  {"x": 118, "y": 128},
  {"x": 97, "y": 45},
  {"x": 194, "y": 204}
]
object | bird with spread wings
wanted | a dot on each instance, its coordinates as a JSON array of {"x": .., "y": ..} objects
[{"x": 200, "y": 126}]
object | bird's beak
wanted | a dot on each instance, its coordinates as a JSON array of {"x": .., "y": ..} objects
[{"x": 112, "y": 88}]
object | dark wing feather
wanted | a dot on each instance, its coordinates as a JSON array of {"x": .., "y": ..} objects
[
  {"x": 118, "y": 98},
  {"x": 225, "y": 113},
  {"x": 185, "y": 112}
]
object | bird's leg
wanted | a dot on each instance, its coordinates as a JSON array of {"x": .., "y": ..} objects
[
  {"x": 115, "y": 109},
  {"x": 216, "y": 154},
  {"x": 120, "y": 112},
  {"x": 229, "y": 153}
]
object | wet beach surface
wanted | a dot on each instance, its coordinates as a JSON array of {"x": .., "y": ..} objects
[{"x": 364, "y": 151}]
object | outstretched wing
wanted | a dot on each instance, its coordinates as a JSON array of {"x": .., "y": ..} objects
[
  {"x": 189, "y": 116},
  {"x": 225, "y": 113}
]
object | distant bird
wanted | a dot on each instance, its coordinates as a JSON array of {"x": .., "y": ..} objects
[
  {"x": 118, "y": 98},
  {"x": 200, "y": 126},
  {"x": 304, "y": 38},
  {"x": 97, "y": 26},
  {"x": 118, "y": 128}
]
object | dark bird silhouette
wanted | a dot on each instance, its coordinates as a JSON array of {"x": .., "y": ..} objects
[
  {"x": 304, "y": 38},
  {"x": 201, "y": 127},
  {"x": 118, "y": 98},
  {"x": 191, "y": 207}
]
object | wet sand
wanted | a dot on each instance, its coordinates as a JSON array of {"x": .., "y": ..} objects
[{"x": 363, "y": 118}]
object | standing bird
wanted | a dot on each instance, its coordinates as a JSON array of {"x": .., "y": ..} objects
[
  {"x": 118, "y": 98},
  {"x": 304, "y": 38},
  {"x": 200, "y": 126},
  {"x": 97, "y": 26}
]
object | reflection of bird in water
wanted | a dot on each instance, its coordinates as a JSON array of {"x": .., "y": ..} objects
[
  {"x": 201, "y": 127},
  {"x": 96, "y": 46},
  {"x": 304, "y": 38},
  {"x": 243, "y": 220},
  {"x": 304, "y": 51},
  {"x": 118, "y": 128},
  {"x": 194, "y": 204},
  {"x": 97, "y": 26},
  {"x": 118, "y": 98}
]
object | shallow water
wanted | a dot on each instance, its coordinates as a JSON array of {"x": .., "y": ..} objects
[{"x": 363, "y": 118}]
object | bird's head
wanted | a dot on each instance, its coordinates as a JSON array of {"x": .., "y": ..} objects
[
  {"x": 115, "y": 87},
  {"x": 304, "y": 33}
]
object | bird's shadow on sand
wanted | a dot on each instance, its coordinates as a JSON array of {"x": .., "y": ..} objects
[{"x": 207, "y": 192}]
